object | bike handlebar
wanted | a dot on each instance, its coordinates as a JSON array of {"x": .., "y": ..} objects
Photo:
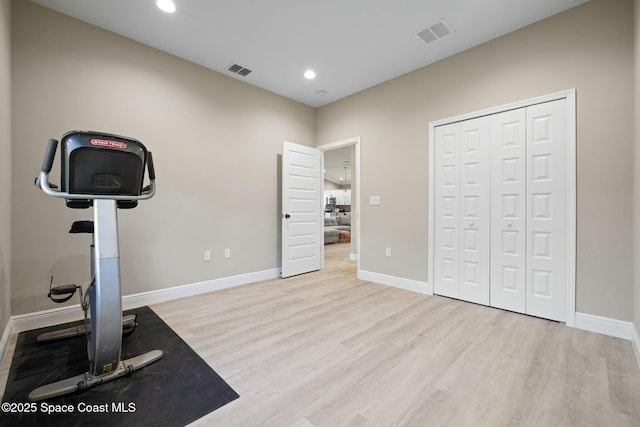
[
  {"x": 150, "y": 169},
  {"x": 49, "y": 155}
]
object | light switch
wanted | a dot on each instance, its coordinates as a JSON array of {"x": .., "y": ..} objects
[{"x": 374, "y": 200}]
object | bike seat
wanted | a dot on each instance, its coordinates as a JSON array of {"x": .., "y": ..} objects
[{"x": 82, "y": 227}]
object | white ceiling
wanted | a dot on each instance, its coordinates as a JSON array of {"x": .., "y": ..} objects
[{"x": 351, "y": 44}]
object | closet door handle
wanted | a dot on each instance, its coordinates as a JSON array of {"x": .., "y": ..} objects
[{"x": 510, "y": 224}]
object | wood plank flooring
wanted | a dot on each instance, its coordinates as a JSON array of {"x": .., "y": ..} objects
[{"x": 327, "y": 349}]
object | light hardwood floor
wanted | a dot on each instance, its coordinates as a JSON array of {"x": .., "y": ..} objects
[{"x": 326, "y": 349}]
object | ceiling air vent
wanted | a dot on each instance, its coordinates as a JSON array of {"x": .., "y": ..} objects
[
  {"x": 238, "y": 69},
  {"x": 435, "y": 31}
]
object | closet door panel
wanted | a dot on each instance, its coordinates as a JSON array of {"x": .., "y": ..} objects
[
  {"x": 447, "y": 211},
  {"x": 546, "y": 210},
  {"x": 508, "y": 210},
  {"x": 475, "y": 181}
]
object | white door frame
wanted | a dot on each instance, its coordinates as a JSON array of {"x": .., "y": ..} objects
[
  {"x": 570, "y": 96},
  {"x": 355, "y": 207}
]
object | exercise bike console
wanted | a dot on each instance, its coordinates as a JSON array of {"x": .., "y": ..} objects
[
  {"x": 98, "y": 166},
  {"x": 106, "y": 172}
]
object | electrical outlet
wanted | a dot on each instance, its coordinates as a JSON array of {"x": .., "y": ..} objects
[
  {"x": 387, "y": 252},
  {"x": 207, "y": 256},
  {"x": 227, "y": 253}
]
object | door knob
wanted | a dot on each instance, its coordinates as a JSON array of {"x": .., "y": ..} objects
[
  {"x": 287, "y": 216},
  {"x": 471, "y": 224},
  {"x": 510, "y": 224}
]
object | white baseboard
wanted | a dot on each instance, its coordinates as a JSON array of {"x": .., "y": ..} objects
[
  {"x": 162, "y": 295},
  {"x": 604, "y": 325},
  {"x": 44, "y": 318},
  {"x": 41, "y": 319},
  {"x": 396, "y": 282}
]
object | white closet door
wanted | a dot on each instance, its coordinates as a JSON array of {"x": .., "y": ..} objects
[
  {"x": 447, "y": 211},
  {"x": 508, "y": 200},
  {"x": 475, "y": 183},
  {"x": 546, "y": 210},
  {"x": 500, "y": 209}
]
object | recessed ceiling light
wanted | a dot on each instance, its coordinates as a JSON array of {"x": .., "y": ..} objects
[
  {"x": 309, "y": 74},
  {"x": 166, "y": 5}
]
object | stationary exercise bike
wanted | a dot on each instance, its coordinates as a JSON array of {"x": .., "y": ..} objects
[{"x": 107, "y": 172}]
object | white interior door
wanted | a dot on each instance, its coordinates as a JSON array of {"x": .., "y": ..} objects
[
  {"x": 547, "y": 210},
  {"x": 508, "y": 201},
  {"x": 462, "y": 183},
  {"x": 302, "y": 196},
  {"x": 475, "y": 177},
  {"x": 447, "y": 212}
]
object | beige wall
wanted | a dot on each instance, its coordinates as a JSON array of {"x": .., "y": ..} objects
[
  {"x": 589, "y": 48},
  {"x": 5, "y": 162},
  {"x": 215, "y": 141}
]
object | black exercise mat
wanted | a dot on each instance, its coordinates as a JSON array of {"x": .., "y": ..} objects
[{"x": 173, "y": 391}]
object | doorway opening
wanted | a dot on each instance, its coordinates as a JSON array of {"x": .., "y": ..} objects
[{"x": 341, "y": 185}]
